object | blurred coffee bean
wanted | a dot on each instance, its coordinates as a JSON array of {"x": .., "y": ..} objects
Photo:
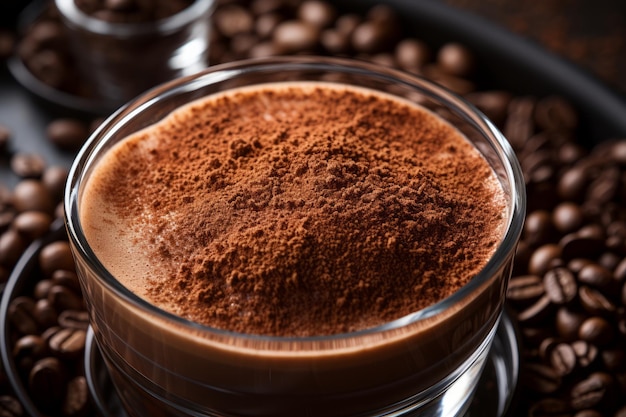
[
  {"x": 32, "y": 224},
  {"x": 53, "y": 179},
  {"x": 586, "y": 352},
  {"x": 594, "y": 302},
  {"x": 596, "y": 276},
  {"x": 292, "y": 36},
  {"x": 568, "y": 322},
  {"x": 45, "y": 313},
  {"x": 31, "y": 194},
  {"x": 544, "y": 258},
  {"x": 28, "y": 350},
  {"x": 596, "y": 330},
  {"x": 563, "y": 359},
  {"x": 536, "y": 312},
  {"x": 63, "y": 298},
  {"x": 541, "y": 378},
  {"x": 591, "y": 391},
  {"x": 525, "y": 289},
  {"x": 74, "y": 319},
  {"x": 12, "y": 245},
  {"x": 21, "y": 314},
  {"x": 54, "y": 256},
  {"x": 567, "y": 217},
  {"x": 77, "y": 401},
  {"x": 319, "y": 13},
  {"x": 10, "y": 406},
  {"x": 68, "y": 134},
  {"x": 47, "y": 382},
  {"x": 412, "y": 54},
  {"x": 28, "y": 165},
  {"x": 66, "y": 278},
  {"x": 456, "y": 59},
  {"x": 233, "y": 20},
  {"x": 555, "y": 113},
  {"x": 560, "y": 285},
  {"x": 68, "y": 343}
]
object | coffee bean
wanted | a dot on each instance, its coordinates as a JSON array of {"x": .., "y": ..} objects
[
  {"x": 316, "y": 12},
  {"x": 525, "y": 289},
  {"x": 32, "y": 224},
  {"x": 568, "y": 322},
  {"x": 585, "y": 352},
  {"x": 53, "y": 179},
  {"x": 67, "y": 134},
  {"x": 74, "y": 319},
  {"x": 456, "y": 59},
  {"x": 596, "y": 276},
  {"x": 412, "y": 54},
  {"x": 576, "y": 245},
  {"x": 54, "y": 256},
  {"x": 27, "y": 350},
  {"x": 77, "y": 401},
  {"x": 614, "y": 359},
  {"x": 596, "y": 330},
  {"x": 233, "y": 20},
  {"x": 63, "y": 298},
  {"x": 28, "y": 165},
  {"x": 538, "y": 227},
  {"x": 47, "y": 382},
  {"x": 554, "y": 112},
  {"x": 10, "y": 407},
  {"x": 546, "y": 346},
  {"x": 541, "y": 378},
  {"x": 42, "y": 288},
  {"x": 31, "y": 194},
  {"x": 545, "y": 257},
  {"x": 573, "y": 183},
  {"x": 591, "y": 391},
  {"x": 68, "y": 343},
  {"x": 45, "y": 313},
  {"x": 22, "y": 317},
  {"x": 371, "y": 36},
  {"x": 560, "y": 285},
  {"x": 563, "y": 359},
  {"x": 550, "y": 407},
  {"x": 67, "y": 279},
  {"x": 567, "y": 217},
  {"x": 493, "y": 103},
  {"x": 595, "y": 302},
  {"x": 12, "y": 245},
  {"x": 536, "y": 312}
]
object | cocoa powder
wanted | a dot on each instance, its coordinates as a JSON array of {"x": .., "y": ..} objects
[{"x": 303, "y": 210}]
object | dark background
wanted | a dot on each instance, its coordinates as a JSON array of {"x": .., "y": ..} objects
[{"x": 590, "y": 33}]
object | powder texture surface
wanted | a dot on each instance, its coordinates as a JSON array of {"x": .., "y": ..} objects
[{"x": 295, "y": 210}]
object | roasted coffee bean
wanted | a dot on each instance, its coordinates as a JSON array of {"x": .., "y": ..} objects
[
  {"x": 412, "y": 54},
  {"x": 66, "y": 278},
  {"x": 544, "y": 258},
  {"x": 42, "y": 288},
  {"x": 233, "y": 20},
  {"x": 12, "y": 245},
  {"x": 10, "y": 406},
  {"x": 54, "y": 256},
  {"x": 560, "y": 285},
  {"x": 74, "y": 319},
  {"x": 525, "y": 289},
  {"x": 546, "y": 346},
  {"x": 596, "y": 276},
  {"x": 32, "y": 224},
  {"x": 614, "y": 359},
  {"x": 541, "y": 378},
  {"x": 567, "y": 217},
  {"x": 563, "y": 359},
  {"x": 28, "y": 165},
  {"x": 372, "y": 36},
  {"x": 45, "y": 313},
  {"x": 47, "y": 382},
  {"x": 318, "y": 13},
  {"x": 296, "y": 36},
  {"x": 493, "y": 103},
  {"x": 568, "y": 322},
  {"x": 63, "y": 298},
  {"x": 585, "y": 352},
  {"x": 594, "y": 302},
  {"x": 27, "y": 350},
  {"x": 537, "y": 311},
  {"x": 519, "y": 125},
  {"x": 550, "y": 407},
  {"x": 22, "y": 317},
  {"x": 456, "y": 59},
  {"x": 31, "y": 194},
  {"x": 53, "y": 179},
  {"x": 67, "y": 134},
  {"x": 68, "y": 343},
  {"x": 538, "y": 227},
  {"x": 591, "y": 391},
  {"x": 573, "y": 183},
  {"x": 77, "y": 401},
  {"x": 554, "y": 112},
  {"x": 596, "y": 330}
]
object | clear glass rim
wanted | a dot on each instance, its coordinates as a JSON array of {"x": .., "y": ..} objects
[
  {"x": 499, "y": 144},
  {"x": 78, "y": 18}
]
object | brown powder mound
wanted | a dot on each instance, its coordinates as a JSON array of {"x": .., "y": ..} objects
[{"x": 307, "y": 211}]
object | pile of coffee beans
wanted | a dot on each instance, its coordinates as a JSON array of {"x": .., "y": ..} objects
[{"x": 568, "y": 291}]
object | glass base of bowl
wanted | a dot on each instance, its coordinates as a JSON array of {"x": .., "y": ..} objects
[{"x": 493, "y": 397}]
